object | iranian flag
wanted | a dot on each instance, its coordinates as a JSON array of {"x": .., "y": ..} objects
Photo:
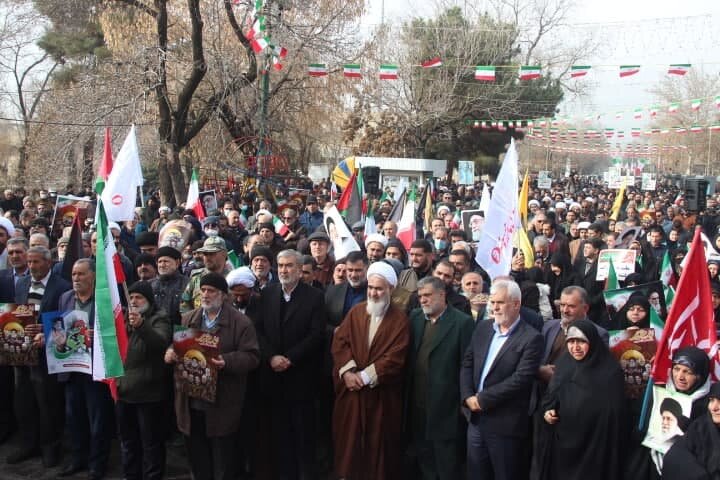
[
  {"x": 109, "y": 335},
  {"x": 259, "y": 44},
  {"x": 680, "y": 130},
  {"x": 406, "y": 225},
  {"x": 627, "y": 70},
  {"x": 690, "y": 319},
  {"x": 352, "y": 70},
  {"x": 317, "y": 70},
  {"x": 257, "y": 27},
  {"x": 619, "y": 115},
  {"x": 679, "y": 69},
  {"x": 638, "y": 114},
  {"x": 388, "y": 72},
  {"x": 529, "y": 72},
  {"x": 432, "y": 63},
  {"x": 667, "y": 274},
  {"x": 717, "y": 101},
  {"x": 696, "y": 129},
  {"x": 280, "y": 227},
  {"x": 714, "y": 127},
  {"x": 695, "y": 104},
  {"x": 193, "y": 198},
  {"x": 579, "y": 71},
  {"x": 673, "y": 107},
  {"x": 485, "y": 73}
]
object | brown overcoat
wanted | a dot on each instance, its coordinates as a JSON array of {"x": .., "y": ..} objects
[{"x": 367, "y": 424}]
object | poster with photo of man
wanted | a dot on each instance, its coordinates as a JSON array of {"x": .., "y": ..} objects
[
  {"x": 669, "y": 418},
  {"x": 209, "y": 201},
  {"x": 67, "y": 342},
  {"x": 466, "y": 172},
  {"x": 473, "y": 222}
]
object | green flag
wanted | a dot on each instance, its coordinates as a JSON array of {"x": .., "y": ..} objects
[{"x": 611, "y": 282}]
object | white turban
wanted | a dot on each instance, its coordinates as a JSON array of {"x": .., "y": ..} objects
[
  {"x": 443, "y": 207},
  {"x": 263, "y": 211},
  {"x": 114, "y": 226},
  {"x": 8, "y": 226},
  {"x": 384, "y": 270},
  {"x": 376, "y": 237},
  {"x": 241, "y": 276}
]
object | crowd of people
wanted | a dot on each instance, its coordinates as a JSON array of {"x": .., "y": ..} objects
[{"x": 395, "y": 361}]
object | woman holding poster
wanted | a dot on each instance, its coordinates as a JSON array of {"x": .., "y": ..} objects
[{"x": 584, "y": 404}]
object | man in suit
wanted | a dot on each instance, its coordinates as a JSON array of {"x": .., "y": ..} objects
[
  {"x": 586, "y": 270},
  {"x": 558, "y": 242},
  {"x": 440, "y": 335},
  {"x": 496, "y": 381},
  {"x": 291, "y": 329},
  {"x": 340, "y": 298},
  {"x": 38, "y": 395}
]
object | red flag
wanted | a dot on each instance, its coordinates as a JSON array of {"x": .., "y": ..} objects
[
  {"x": 346, "y": 196},
  {"x": 691, "y": 319},
  {"x": 106, "y": 163}
]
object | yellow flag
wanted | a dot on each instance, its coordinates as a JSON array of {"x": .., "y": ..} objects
[
  {"x": 618, "y": 202},
  {"x": 523, "y": 201},
  {"x": 526, "y": 247}
]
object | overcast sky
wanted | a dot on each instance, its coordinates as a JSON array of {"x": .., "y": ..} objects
[{"x": 651, "y": 33}]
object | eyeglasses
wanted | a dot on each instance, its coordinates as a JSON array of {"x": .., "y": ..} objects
[{"x": 211, "y": 225}]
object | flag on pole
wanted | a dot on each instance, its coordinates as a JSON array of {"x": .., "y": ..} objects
[
  {"x": 627, "y": 70},
  {"x": 523, "y": 200},
  {"x": 611, "y": 282},
  {"x": 615, "y": 211},
  {"x": 679, "y": 69},
  {"x": 667, "y": 274},
  {"x": 388, "y": 72},
  {"x": 406, "y": 225},
  {"x": 690, "y": 319},
  {"x": 579, "y": 71},
  {"x": 259, "y": 44},
  {"x": 109, "y": 334},
  {"x": 352, "y": 70},
  {"x": 280, "y": 227},
  {"x": 120, "y": 192},
  {"x": 485, "y": 73},
  {"x": 524, "y": 244},
  {"x": 494, "y": 253},
  {"x": 485, "y": 199},
  {"x": 193, "y": 198},
  {"x": 432, "y": 63},
  {"x": 398, "y": 209},
  {"x": 106, "y": 164},
  {"x": 74, "y": 249},
  {"x": 317, "y": 70},
  {"x": 529, "y": 72}
]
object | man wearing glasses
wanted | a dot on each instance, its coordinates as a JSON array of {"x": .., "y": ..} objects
[{"x": 297, "y": 231}]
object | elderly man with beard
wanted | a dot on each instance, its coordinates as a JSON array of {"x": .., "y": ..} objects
[
  {"x": 214, "y": 252},
  {"x": 291, "y": 330},
  {"x": 261, "y": 258},
  {"x": 369, "y": 351},
  {"x": 170, "y": 283},
  {"x": 440, "y": 334},
  {"x": 211, "y": 429}
]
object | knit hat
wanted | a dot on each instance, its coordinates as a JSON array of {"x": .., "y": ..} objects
[
  {"x": 168, "y": 252},
  {"x": 261, "y": 251},
  {"x": 215, "y": 280},
  {"x": 145, "y": 258},
  {"x": 384, "y": 270},
  {"x": 143, "y": 288}
]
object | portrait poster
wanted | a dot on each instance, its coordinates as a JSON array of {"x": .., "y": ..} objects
[
  {"x": 466, "y": 172},
  {"x": 16, "y": 345},
  {"x": 543, "y": 180},
  {"x": 66, "y": 207},
  {"x": 648, "y": 182},
  {"x": 341, "y": 239},
  {"x": 623, "y": 261},
  {"x": 208, "y": 198},
  {"x": 615, "y": 301},
  {"x": 67, "y": 342},
  {"x": 669, "y": 419},
  {"x": 195, "y": 374},
  {"x": 634, "y": 349},
  {"x": 176, "y": 234},
  {"x": 473, "y": 222}
]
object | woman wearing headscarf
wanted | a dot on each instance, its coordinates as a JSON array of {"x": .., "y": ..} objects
[
  {"x": 560, "y": 276},
  {"x": 585, "y": 406},
  {"x": 696, "y": 455},
  {"x": 635, "y": 313}
]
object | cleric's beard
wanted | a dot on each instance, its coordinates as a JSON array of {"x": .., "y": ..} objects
[{"x": 377, "y": 308}]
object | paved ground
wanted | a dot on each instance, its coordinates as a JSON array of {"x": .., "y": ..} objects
[{"x": 176, "y": 470}]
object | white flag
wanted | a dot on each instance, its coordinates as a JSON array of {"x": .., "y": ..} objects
[
  {"x": 121, "y": 187},
  {"x": 485, "y": 199},
  {"x": 502, "y": 219}
]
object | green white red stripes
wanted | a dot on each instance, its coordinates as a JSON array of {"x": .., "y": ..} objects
[
  {"x": 627, "y": 70},
  {"x": 529, "y": 72},
  {"x": 577, "y": 71},
  {"x": 317, "y": 70},
  {"x": 485, "y": 73},
  {"x": 388, "y": 72},
  {"x": 352, "y": 70},
  {"x": 679, "y": 69}
]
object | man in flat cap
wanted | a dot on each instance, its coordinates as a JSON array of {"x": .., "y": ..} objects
[{"x": 214, "y": 253}]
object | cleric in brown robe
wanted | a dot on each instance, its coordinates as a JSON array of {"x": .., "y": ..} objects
[{"x": 369, "y": 350}]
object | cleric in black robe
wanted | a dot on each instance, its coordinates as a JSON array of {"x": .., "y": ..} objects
[
  {"x": 696, "y": 456},
  {"x": 586, "y": 396}
]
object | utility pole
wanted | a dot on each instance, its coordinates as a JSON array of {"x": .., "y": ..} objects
[{"x": 263, "y": 149}]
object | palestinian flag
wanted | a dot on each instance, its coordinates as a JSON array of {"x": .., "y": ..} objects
[
  {"x": 193, "y": 198},
  {"x": 110, "y": 337},
  {"x": 317, "y": 70},
  {"x": 627, "y": 70},
  {"x": 352, "y": 70},
  {"x": 579, "y": 71},
  {"x": 388, "y": 72},
  {"x": 695, "y": 104},
  {"x": 529, "y": 72},
  {"x": 280, "y": 227},
  {"x": 679, "y": 69},
  {"x": 485, "y": 73},
  {"x": 673, "y": 107},
  {"x": 432, "y": 63}
]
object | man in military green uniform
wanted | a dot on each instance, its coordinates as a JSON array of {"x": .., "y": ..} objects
[{"x": 214, "y": 252}]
